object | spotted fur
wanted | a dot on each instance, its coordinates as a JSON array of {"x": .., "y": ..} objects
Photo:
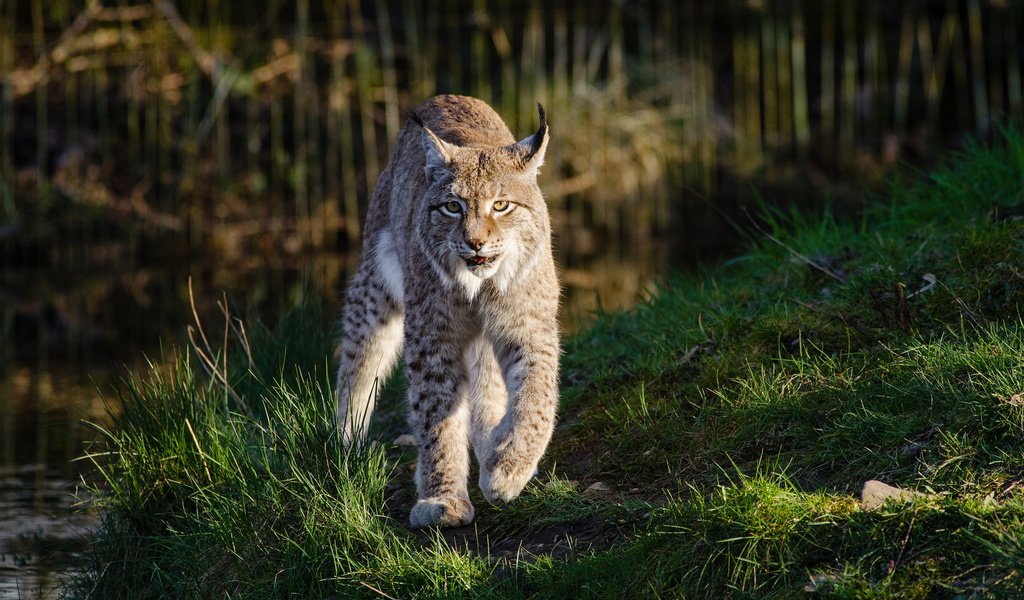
[{"x": 457, "y": 263}]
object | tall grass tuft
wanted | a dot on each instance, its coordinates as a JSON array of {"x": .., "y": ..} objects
[{"x": 199, "y": 497}]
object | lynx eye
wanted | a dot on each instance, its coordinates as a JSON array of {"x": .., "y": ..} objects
[
  {"x": 500, "y": 205},
  {"x": 452, "y": 207}
]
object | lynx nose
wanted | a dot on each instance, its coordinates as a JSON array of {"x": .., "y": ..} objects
[{"x": 475, "y": 244}]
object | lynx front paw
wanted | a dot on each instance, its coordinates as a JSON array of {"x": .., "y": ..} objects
[
  {"x": 441, "y": 511},
  {"x": 504, "y": 479}
]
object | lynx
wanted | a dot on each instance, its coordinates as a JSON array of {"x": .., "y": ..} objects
[{"x": 457, "y": 263}]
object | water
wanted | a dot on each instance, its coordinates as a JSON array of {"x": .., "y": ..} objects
[
  {"x": 40, "y": 526},
  {"x": 44, "y": 402},
  {"x": 42, "y": 531}
]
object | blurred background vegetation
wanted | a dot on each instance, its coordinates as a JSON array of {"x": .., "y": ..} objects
[
  {"x": 146, "y": 142},
  {"x": 246, "y": 127},
  {"x": 138, "y": 138}
]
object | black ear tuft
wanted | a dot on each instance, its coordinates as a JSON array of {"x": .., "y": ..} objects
[
  {"x": 537, "y": 142},
  {"x": 416, "y": 118}
]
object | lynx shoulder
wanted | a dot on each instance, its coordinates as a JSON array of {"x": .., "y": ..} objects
[{"x": 457, "y": 268}]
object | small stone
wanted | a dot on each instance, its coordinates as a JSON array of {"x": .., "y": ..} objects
[
  {"x": 689, "y": 354},
  {"x": 875, "y": 493},
  {"x": 912, "y": 449},
  {"x": 553, "y": 484},
  {"x": 597, "y": 488},
  {"x": 406, "y": 439},
  {"x": 820, "y": 582}
]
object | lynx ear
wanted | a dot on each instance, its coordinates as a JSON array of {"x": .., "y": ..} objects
[
  {"x": 531, "y": 150},
  {"x": 438, "y": 152}
]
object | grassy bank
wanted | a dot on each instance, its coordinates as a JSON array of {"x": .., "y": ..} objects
[{"x": 730, "y": 420}]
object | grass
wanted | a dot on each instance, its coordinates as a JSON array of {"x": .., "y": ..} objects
[{"x": 732, "y": 419}]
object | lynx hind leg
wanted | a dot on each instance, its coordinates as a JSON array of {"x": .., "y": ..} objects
[
  {"x": 488, "y": 397},
  {"x": 369, "y": 348}
]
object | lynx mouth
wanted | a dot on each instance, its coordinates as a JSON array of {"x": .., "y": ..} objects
[{"x": 474, "y": 262}]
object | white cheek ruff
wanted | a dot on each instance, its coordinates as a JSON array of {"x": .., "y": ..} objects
[
  {"x": 442, "y": 274},
  {"x": 469, "y": 280},
  {"x": 509, "y": 269}
]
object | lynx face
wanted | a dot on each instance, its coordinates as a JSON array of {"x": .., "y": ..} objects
[{"x": 482, "y": 208}]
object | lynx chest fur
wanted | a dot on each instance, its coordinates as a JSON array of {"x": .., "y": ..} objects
[{"x": 457, "y": 269}]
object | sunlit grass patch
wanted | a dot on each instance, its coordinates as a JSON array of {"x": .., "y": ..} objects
[{"x": 714, "y": 439}]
